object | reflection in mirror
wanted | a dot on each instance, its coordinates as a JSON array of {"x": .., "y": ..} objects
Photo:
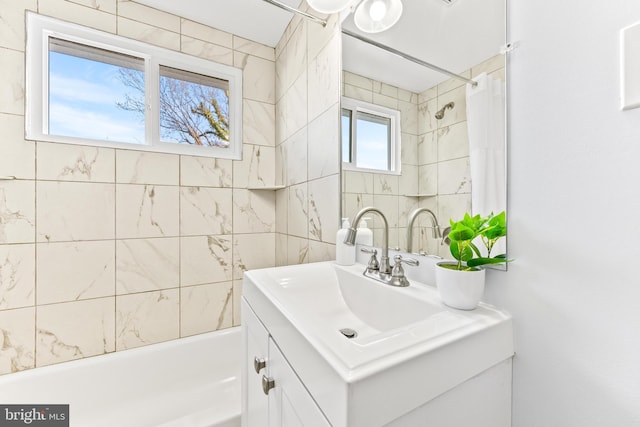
[
  {"x": 370, "y": 137},
  {"x": 452, "y": 134}
]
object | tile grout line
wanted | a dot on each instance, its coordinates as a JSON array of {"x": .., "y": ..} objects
[
  {"x": 35, "y": 255},
  {"x": 115, "y": 244},
  {"x": 180, "y": 238}
]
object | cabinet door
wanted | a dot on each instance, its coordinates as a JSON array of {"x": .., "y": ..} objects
[
  {"x": 290, "y": 404},
  {"x": 255, "y": 411}
]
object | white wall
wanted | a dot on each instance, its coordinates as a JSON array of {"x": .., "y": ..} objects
[{"x": 574, "y": 216}]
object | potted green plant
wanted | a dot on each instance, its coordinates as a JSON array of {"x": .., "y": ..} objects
[{"x": 461, "y": 283}]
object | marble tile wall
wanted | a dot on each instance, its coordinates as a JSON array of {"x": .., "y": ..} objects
[
  {"x": 444, "y": 151},
  {"x": 307, "y": 141},
  {"x": 103, "y": 250},
  {"x": 435, "y": 158}
]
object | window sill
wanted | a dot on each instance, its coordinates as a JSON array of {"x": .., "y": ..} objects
[
  {"x": 349, "y": 167},
  {"x": 167, "y": 148}
]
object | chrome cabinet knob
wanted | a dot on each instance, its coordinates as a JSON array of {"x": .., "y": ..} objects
[
  {"x": 267, "y": 384},
  {"x": 258, "y": 364}
]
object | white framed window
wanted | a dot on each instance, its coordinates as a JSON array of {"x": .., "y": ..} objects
[
  {"x": 370, "y": 137},
  {"x": 89, "y": 87}
]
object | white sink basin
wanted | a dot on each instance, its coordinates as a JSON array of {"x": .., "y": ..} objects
[
  {"x": 381, "y": 307},
  {"x": 408, "y": 343}
]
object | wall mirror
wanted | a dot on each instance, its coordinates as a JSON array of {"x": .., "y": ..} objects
[{"x": 452, "y": 155}]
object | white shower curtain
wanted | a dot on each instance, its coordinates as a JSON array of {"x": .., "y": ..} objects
[{"x": 486, "y": 129}]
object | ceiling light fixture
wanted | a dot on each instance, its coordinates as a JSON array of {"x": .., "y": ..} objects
[
  {"x": 329, "y": 6},
  {"x": 374, "y": 16}
]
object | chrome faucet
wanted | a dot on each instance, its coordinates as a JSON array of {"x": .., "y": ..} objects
[
  {"x": 412, "y": 217},
  {"x": 382, "y": 271},
  {"x": 384, "y": 268}
]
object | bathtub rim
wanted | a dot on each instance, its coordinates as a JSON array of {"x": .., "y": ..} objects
[{"x": 102, "y": 358}]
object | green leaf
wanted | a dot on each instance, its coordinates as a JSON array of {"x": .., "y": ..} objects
[
  {"x": 494, "y": 232},
  {"x": 467, "y": 254},
  {"x": 473, "y": 222},
  {"x": 496, "y": 226},
  {"x": 499, "y": 220},
  {"x": 475, "y": 249},
  {"x": 490, "y": 228},
  {"x": 454, "y": 248},
  {"x": 461, "y": 233},
  {"x": 460, "y": 251}
]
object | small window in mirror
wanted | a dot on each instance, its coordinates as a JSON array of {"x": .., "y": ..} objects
[
  {"x": 346, "y": 135},
  {"x": 370, "y": 137}
]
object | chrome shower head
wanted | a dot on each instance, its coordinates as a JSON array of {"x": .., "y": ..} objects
[{"x": 440, "y": 113}]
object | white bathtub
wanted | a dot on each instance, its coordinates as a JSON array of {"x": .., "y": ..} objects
[{"x": 190, "y": 382}]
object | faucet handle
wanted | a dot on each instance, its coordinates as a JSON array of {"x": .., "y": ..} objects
[
  {"x": 373, "y": 264},
  {"x": 445, "y": 237},
  {"x": 409, "y": 261},
  {"x": 397, "y": 274}
]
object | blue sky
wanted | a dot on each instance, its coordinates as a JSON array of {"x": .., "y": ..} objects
[
  {"x": 372, "y": 144},
  {"x": 83, "y": 101}
]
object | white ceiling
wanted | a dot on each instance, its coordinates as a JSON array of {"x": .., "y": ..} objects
[
  {"x": 454, "y": 36},
  {"x": 252, "y": 19}
]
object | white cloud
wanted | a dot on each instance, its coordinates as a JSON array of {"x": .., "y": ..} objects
[
  {"x": 82, "y": 123},
  {"x": 76, "y": 90}
]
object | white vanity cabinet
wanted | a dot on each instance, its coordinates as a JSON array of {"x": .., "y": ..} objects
[
  {"x": 413, "y": 362},
  {"x": 255, "y": 411},
  {"x": 273, "y": 395}
]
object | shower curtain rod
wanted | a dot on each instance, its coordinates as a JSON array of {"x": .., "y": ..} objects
[
  {"x": 297, "y": 12},
  {"x": 409, "y": 57}
]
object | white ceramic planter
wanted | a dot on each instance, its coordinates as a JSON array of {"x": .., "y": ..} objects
[{"x": 460, "y": 289}]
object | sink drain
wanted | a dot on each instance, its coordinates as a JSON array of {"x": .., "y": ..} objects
[{"x": 348, "y": 332}]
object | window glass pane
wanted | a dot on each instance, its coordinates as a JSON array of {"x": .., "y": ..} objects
[
  {"x": 194, "y": 109},
  {"x": 346, "y": 135},
  {"x": 373, "y": 146},
  {"x": 90, "y": 93}
]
